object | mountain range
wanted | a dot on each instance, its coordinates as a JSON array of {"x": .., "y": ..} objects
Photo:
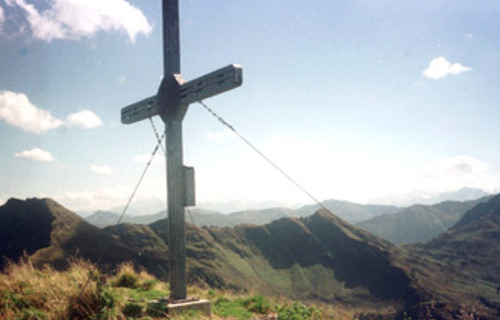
[
  {"x": 319, "y": 257},
  {"x": 351, "y": 212},
  {"x": 431, "y": 198},
  {"x": 417, "y": 223}
]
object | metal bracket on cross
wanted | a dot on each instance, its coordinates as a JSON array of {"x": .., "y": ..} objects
[{"x": 204, "y": 87}]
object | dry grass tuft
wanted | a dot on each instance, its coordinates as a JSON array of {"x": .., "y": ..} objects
[
  {"x": 24, "y": 287},
  {"x": 126, "y": 276},
  {"x": 27, "y": 292}
]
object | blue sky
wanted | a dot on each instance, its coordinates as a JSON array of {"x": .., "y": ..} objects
[{"x": 356, "y": 100}]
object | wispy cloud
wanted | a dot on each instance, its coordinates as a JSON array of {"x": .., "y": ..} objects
[
  {"x": 102, "y": 170},
  {"x": 440, "y": 67},
  {"x": 2, "y": 17},
  {"x": 85, "y": 119},
  {"x": 95, "y": 199},
  {"x": 36, "y": 154},
  {"x": 109, "y": 198},
  {"x": 454, "y": 167},
  {"x": 457, "y": 172},
  {"x": 59, "y": 20},
  {"x": 17, "y": 110}
]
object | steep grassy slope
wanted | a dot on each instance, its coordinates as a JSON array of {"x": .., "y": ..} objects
[
  {"x": 473, "y": 244},
  {"x": 491, "y": 208},
  {"x": 262, "y": 216},
  {"x": 337, "y": 260},
  {"x": 418, "y": 223},
  {"x": 319, "y": 257},
  {"x": 50, "y": 233},
  {"x": 148, "y": 249},
  {"x": 22, "y": 230},
  {"x": 461, "y": 266}
]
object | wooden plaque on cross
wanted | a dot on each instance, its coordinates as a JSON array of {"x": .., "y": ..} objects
[{"x": 171, "y": 103}]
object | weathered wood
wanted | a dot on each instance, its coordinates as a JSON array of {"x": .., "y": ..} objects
[
  {"x": 212, "y": 84},
  {"x": 190, "y": 197},
  {"x": 176, "y": 190},
  {"x": 171, "y": 37},
  {"x": 141, "y": 110},
  {"x": 171, "y": 103},
  {"x": 201, "y": 88},
  {"x": 169, "y": 108}
]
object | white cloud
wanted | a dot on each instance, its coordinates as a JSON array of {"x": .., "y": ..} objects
[
  {"x": 85, "y": 118},
  {"x": 103, "y": 170},
  {"x": 440, "y": 67},
  {"x": 73, "y": 19},
  {"x": 104, "y": 196},
  {"x": 36, "y": 154},
  {"x": 42, "y": 25},
  {"x": 88, "y": 200},
  {"x": 17, "y": 110},
  {"x": 111, "y": 198},
  {"x": 2, "y": 17},
  {"x": 78, "y": 195}
]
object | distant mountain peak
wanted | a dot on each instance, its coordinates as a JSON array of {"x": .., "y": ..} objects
[
  {"x": 430, "y": 198},
  {"x": 50, "y": 233},
  {"x": 26, "y": 226},
  {"x": 491, "y": 207}
]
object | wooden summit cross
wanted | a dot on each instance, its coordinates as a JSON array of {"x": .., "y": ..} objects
[{"x": 171, "y": 103}]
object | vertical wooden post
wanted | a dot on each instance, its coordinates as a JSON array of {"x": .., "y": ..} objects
[
  {"x": 176, "y": 213},
  {"x": 175, "y": 169},
  {"x": 171, "y": 38}
]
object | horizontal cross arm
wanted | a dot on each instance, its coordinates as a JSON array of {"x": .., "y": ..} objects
[
  {"x": 204, "y": 87},
  {"x": 140, "y": 110},
  {"x": 211, "y": 84}
]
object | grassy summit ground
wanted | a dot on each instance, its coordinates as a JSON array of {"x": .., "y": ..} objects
[{"x": 81, "y": 292}]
